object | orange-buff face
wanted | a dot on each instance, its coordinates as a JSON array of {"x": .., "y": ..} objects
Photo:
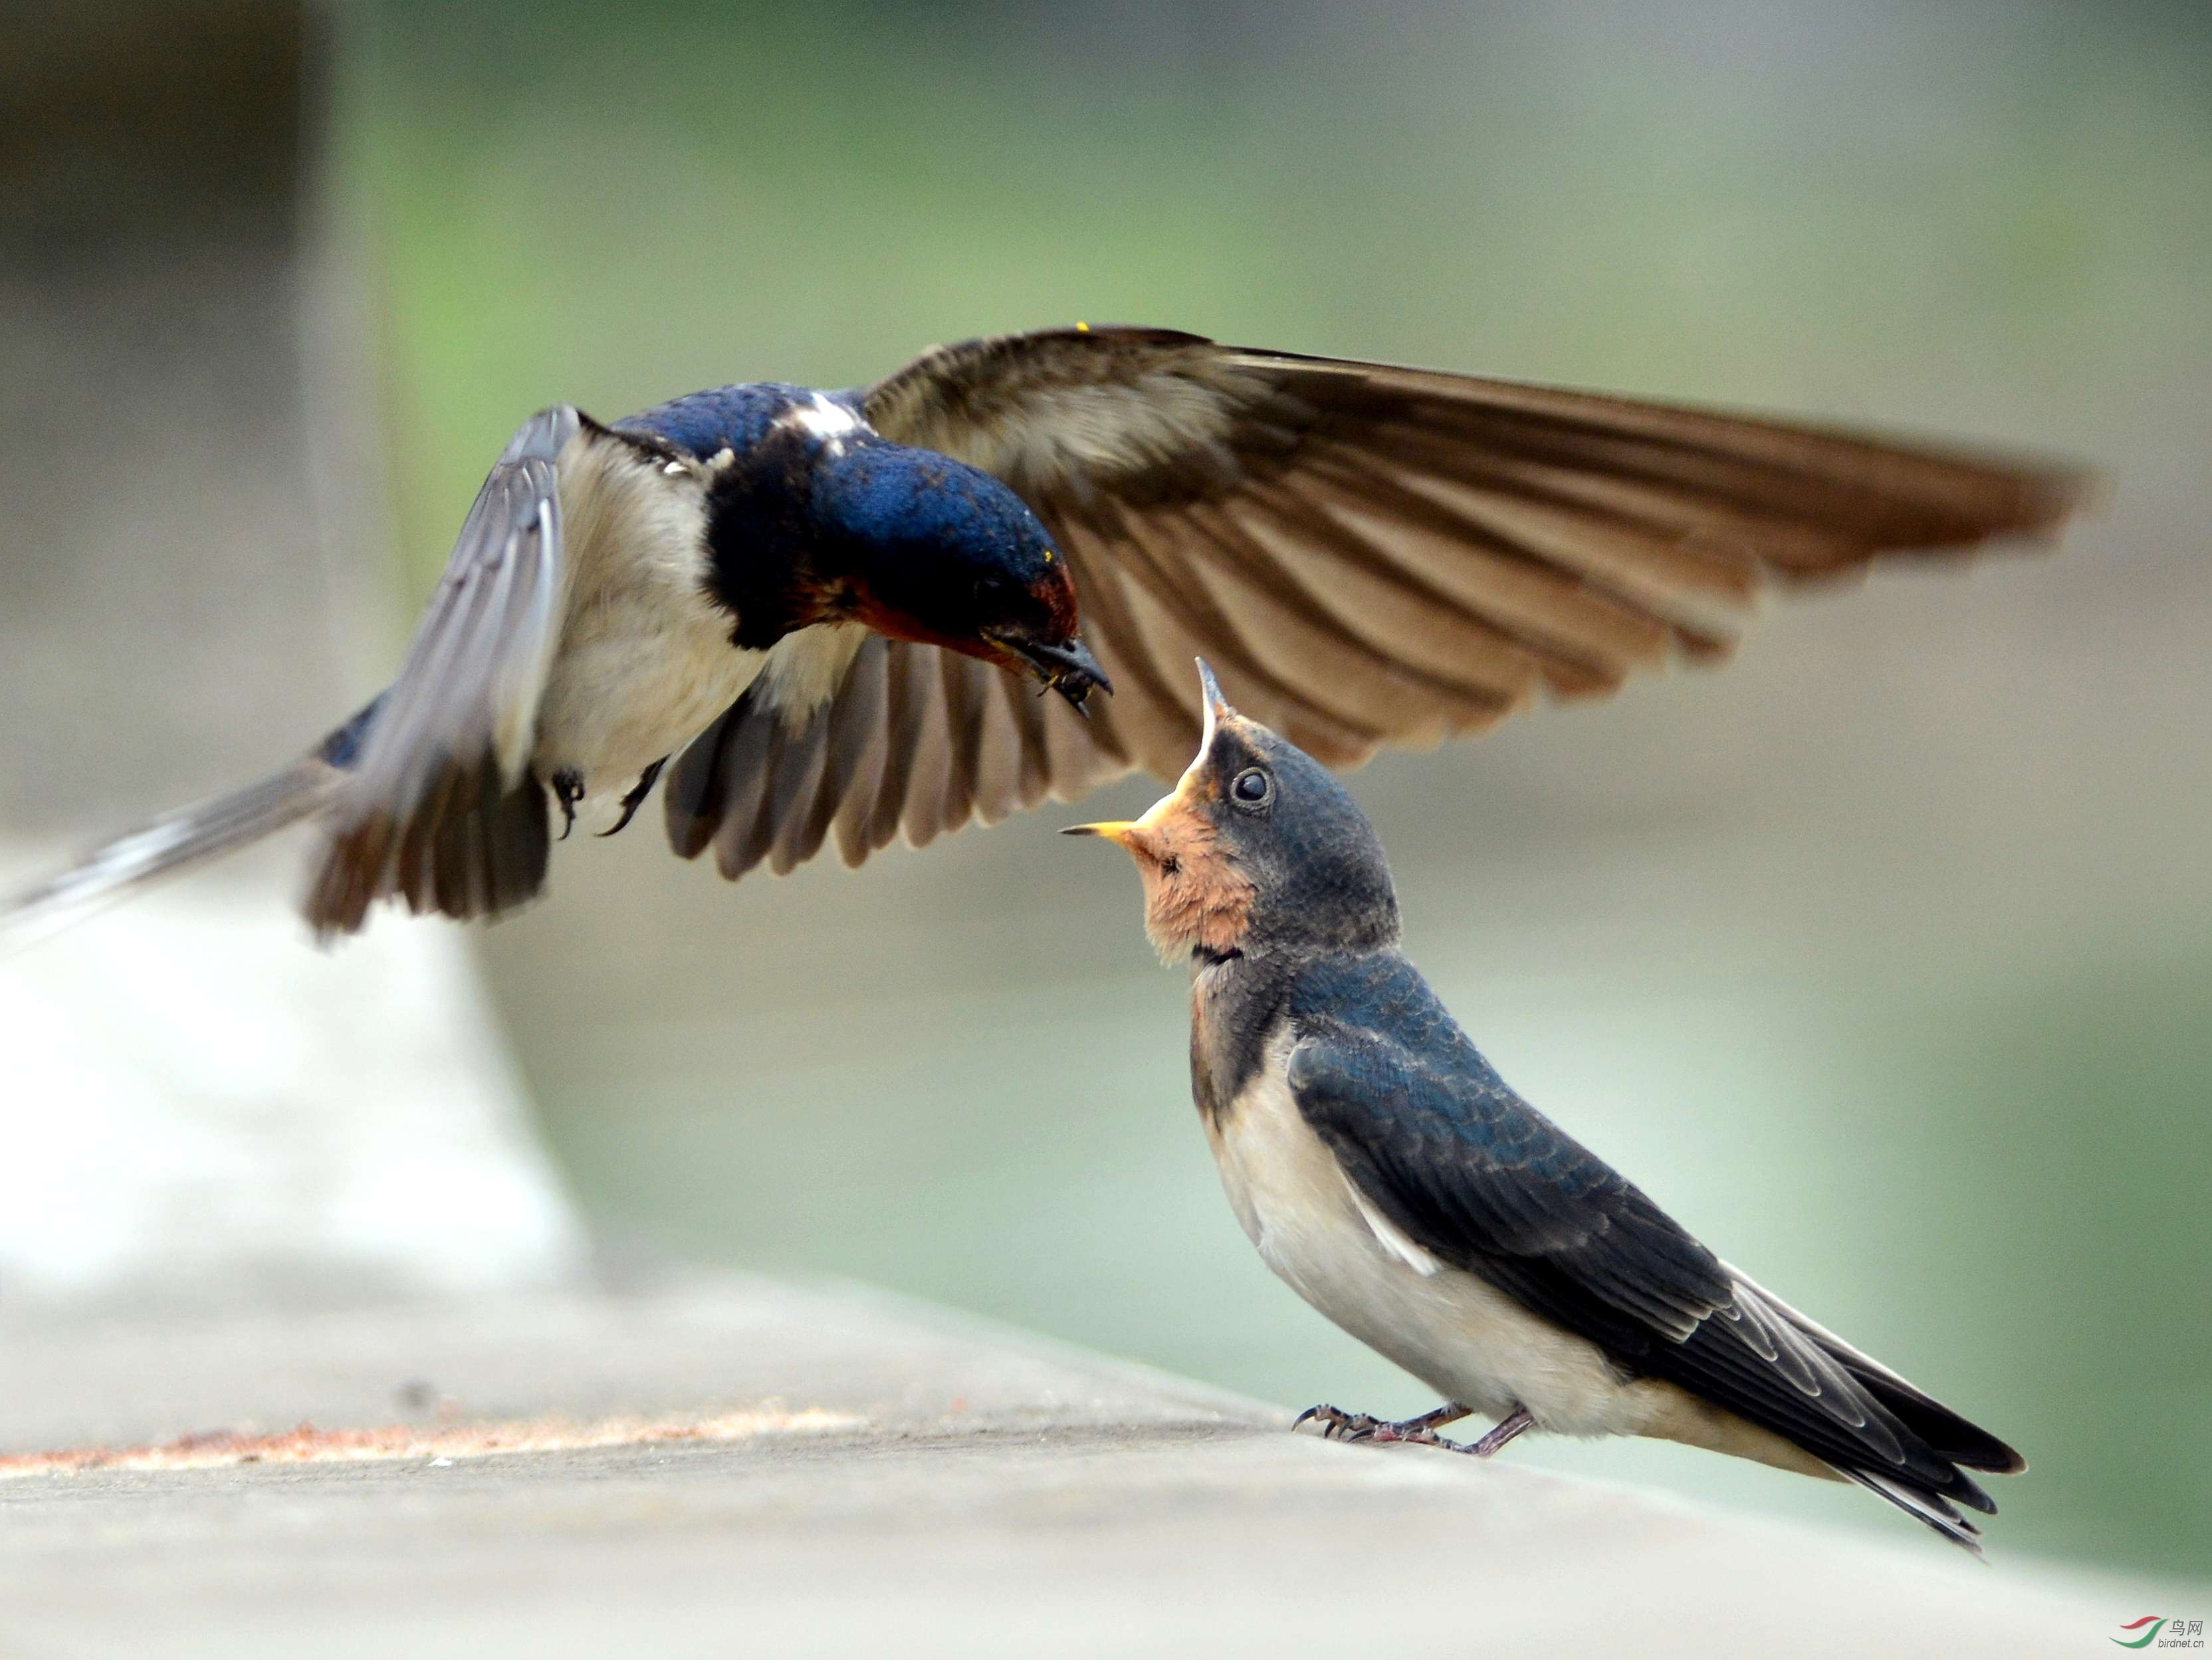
[{"x": 1195, "y": 896}]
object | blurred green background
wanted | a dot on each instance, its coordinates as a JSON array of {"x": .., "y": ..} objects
[{"x": 1881, "y": 958}]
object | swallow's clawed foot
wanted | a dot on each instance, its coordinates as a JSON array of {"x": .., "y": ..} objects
[
  {"x": 1338, "y": 1425},
  {"x": 1498, "y": 1433},
  {"x": 567, "y": 790},
  {"x": 635, "y": 798}
]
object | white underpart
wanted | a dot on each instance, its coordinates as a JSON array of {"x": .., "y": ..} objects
[
  {"x": 1465, "y": 1339},
  {"x": 828, "y": 420},
  {"x": 805, "y": 669},
  {"x": 645, "y": 660}
]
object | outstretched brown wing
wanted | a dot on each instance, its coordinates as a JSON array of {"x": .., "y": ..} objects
[
  {"x": 1371, "y": 555},
  {"x": 915, "y": 740}
]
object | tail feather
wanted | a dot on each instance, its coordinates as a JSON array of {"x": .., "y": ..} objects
[
  {"x": 176, "y": 841},
  {"x": 1965, "y": 1444},
  {"x": 469, "y": 845},
  {"x": 1932, "y": 1510},
  {"x": 1955, "y": 1438},
  {"x": 1929, "y": 1482}
]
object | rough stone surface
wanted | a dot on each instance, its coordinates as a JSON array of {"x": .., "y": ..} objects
[{"x": 982, "y": 1495}]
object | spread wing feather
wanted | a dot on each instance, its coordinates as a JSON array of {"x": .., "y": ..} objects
[
  {"x": 915, "y": 741},
  {"x": 1369, "y": 554},
  {"x": 438, "y": 806}
]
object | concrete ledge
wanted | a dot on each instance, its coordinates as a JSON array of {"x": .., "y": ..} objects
[
  {"x": 202, "y": 1110},
  {"x": 961, "y": 1490}
]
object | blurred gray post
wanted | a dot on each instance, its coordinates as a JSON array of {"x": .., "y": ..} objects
[{"x": 195, "y": 1103}]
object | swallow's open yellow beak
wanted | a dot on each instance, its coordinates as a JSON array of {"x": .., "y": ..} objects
[
  {"x": 1136, "y": 834},
  {"x": 1140, "y": 836},
  {"x": 1114, "y": 830}
]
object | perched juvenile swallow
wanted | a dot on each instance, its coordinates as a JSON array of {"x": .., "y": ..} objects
[
  {"x": 826, "y": 604},
  {"x": 1391, "y": 1179}
]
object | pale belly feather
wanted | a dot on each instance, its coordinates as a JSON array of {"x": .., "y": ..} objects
[
  {"x": 1465, "y": 1339},
  {"x": 645, "y": 661},
  {"x": 630, "y": 689}
]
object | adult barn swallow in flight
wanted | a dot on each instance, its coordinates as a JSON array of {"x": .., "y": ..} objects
[
  {"x": 826, "y": 604},
  {"x": 1395, "y": 1182}
]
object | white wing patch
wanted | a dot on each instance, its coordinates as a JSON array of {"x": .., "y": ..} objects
[
  {"x": 1392, "y": 1236},
  {"x": 827, "y": 420}
]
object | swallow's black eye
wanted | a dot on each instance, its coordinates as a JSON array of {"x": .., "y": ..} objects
[
  {"x": 1251, "y": 788},
  {"x": 990, "y": 588}
]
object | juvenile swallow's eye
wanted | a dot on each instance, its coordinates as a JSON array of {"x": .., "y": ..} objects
[
  {"x": 1251, "y": 788},
  {"x": 990, "y": 588}
]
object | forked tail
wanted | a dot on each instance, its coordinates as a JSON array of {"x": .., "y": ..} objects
[
  {"x": 462, "y": 841},
  {"x": 175, "y": 841}
]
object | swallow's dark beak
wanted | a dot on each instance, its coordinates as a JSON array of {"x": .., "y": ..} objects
[{"x": 1069, "y": 669}]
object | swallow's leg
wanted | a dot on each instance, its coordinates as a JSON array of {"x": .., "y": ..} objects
[
  {"x": 567, "y": 790},
  {"x": 1340, "y": 1425},
  {"x": 1498, "y": 1433},
  {"x": 635, "y": 798}
]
